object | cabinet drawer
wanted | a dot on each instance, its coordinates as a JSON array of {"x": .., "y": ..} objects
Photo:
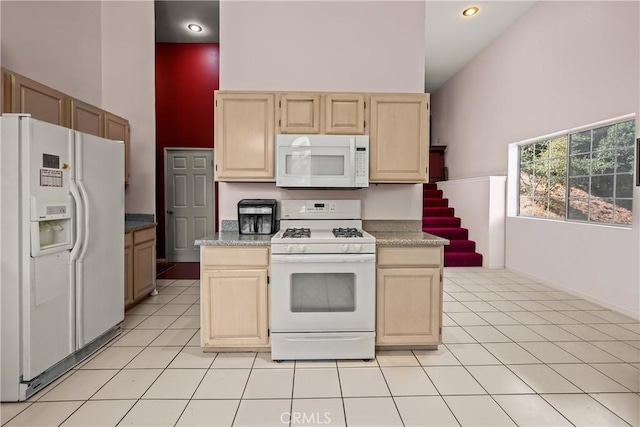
[
  {"x": 128, "y": 239},
  {"x": 410, "y": 256},
  {"x": 144, "y": 235},
  {"x": 232, "y": 257}
]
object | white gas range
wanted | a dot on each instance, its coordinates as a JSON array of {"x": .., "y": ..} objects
[{"x": 322, "y": 282}]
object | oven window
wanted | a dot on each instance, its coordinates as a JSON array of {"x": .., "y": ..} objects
[
  {"x": 323, "y": 292},
  {"x": 299, "y": 164}
]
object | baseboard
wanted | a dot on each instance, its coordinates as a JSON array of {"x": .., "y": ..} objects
[
  {"x": 579, "y": 294},
  {"x": 162, "y": 261}
]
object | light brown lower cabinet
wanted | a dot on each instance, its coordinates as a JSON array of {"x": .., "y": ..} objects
[
  {"x": 234, "y": 297},
  {"x": 140, "y": 264},
  {"x": 409, "y": 296},
  {"x": 128, "y": 269}
]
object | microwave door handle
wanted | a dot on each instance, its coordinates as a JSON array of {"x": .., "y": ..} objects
[{"x": 352, "y": 155}]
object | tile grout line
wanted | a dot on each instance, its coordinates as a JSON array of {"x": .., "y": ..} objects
[{"x": 244, "y": 389}]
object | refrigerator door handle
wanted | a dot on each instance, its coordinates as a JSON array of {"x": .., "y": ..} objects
[
  {"x": 86, "y": 215},
  {"x": 79, "y": 227},
  {"x": 80, "y": 267}
]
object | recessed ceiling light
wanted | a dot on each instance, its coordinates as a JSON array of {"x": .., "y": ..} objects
[
  {"x": 470, "y": 11},
  {"x": 194, "y": 27}
]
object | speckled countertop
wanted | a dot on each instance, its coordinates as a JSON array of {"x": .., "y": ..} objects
[
  {"x": 234, "y": 238},
  {"x": 407, "y": 238},
  {"x": 137, "y": 222},
  {"x": 130, "y": 226},
  {"x": 401, "y": 233},
  {"x": 387, "y": 233}
]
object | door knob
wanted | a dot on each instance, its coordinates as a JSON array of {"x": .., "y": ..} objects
[{"x": 170, "y": 212}]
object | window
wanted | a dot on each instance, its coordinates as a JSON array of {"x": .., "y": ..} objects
[{"x": 585, "y": 175}]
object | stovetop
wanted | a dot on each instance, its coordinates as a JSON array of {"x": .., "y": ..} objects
[{"x": 325, "y": 240}]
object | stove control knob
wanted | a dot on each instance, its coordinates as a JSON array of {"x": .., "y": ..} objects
[
  {"x": 344, "y": 248},
  {"x": 357, "y": 247},
  {"x": 288, "y": 248},
  {"x": 302, "y": 248}
]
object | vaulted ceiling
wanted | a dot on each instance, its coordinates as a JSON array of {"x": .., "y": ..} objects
[{"x": 451, "y": 39}]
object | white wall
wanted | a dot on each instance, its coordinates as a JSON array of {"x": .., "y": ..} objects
[
  {"x": 128, "y": 90},
  {"x": 563, "y": 65},
  {"x": 368, "y": 46},
  {"x": 102, "y": 52},
  {"x": 480, "y": 203},
  {"x": 385, "y": 201},
  {"x": 56, "y": 43},
  {"x": 323, "y": 46}
]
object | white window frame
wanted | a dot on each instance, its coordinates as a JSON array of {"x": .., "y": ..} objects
[{"x": 513, "y": 170}]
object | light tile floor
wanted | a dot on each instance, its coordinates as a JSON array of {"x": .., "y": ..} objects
[{"x": 515, "y": 352}]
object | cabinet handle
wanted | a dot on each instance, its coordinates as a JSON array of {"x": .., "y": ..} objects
[{"x": 170, "y": 212}]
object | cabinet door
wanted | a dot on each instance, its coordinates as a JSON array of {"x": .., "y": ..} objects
[
  {"x": 234, "y": 308},
  {"x": 144, "y": 268},
  {"x": 87, "y": 118},
  {"x": 42, "y": 102},
  {"x": 117, "y": 128},
  {"x": 244, "y": 136},
  {"x": 344, "y": 114},
  {"x": 399, "y": 138},
  {"x": 408, "y": 306},
  {"x": 128, "y": 269},
  {"x": 299, "y": 113}
]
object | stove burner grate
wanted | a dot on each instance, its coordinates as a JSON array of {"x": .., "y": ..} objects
[
  {"x": 347, "y": 232},
  {"x": 297, "y": 233}
]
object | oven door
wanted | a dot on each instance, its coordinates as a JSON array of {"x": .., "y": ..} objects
[{"x": 321, "y": 293}]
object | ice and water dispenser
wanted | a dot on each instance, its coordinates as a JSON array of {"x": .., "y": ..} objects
[
  {"x": 257, "y": 216},
  {"x": 51, "y": 227}
]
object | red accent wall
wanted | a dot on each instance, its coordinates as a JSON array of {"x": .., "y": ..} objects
[{"x": 186, "y": 76}]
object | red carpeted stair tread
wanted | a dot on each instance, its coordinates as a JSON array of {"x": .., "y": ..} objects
[
  {"x": 460, "y": 246},
  {"x": 448, "y": 233},
  {"x": 432, "y": 194},
  {"x": 435, "y": 203},
  {"x": 430, "y": 186},
  {"x": 462, "y": 259},
  {"x": 441, "y": 222},
  {"x": 437, "y": 212}
]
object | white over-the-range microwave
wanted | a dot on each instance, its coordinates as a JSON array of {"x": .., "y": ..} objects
[{"x": 322, "y": 161}]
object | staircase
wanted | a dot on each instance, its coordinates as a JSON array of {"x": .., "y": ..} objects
[{"x": 438, "y": 219}]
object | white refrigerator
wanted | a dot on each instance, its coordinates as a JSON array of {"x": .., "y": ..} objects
[{"x": 61, "y": 250}]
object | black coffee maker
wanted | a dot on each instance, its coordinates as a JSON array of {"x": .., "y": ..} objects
[{"x": 257, "y": 216}]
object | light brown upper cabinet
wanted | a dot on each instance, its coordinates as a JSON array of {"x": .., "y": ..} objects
[
  {"x": 314, "y": 113},
  {"x": 244, "y": 129},
  {"x": 399, "y": 138},
  {"x": 117, "y": 128},
  {"x": 299, "y": 113},
  {"x": 344, "y": 113},
  {"x": 23, "y": 95},
  {"x": 87, "y": 118}
]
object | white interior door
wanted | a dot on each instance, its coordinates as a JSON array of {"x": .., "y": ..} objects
[{"x": 188, "y": 182}]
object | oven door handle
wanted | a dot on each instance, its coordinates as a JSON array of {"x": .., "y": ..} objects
[
  {"x": 328, "y": 258},
  {"x": 327, "y": 338}
]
